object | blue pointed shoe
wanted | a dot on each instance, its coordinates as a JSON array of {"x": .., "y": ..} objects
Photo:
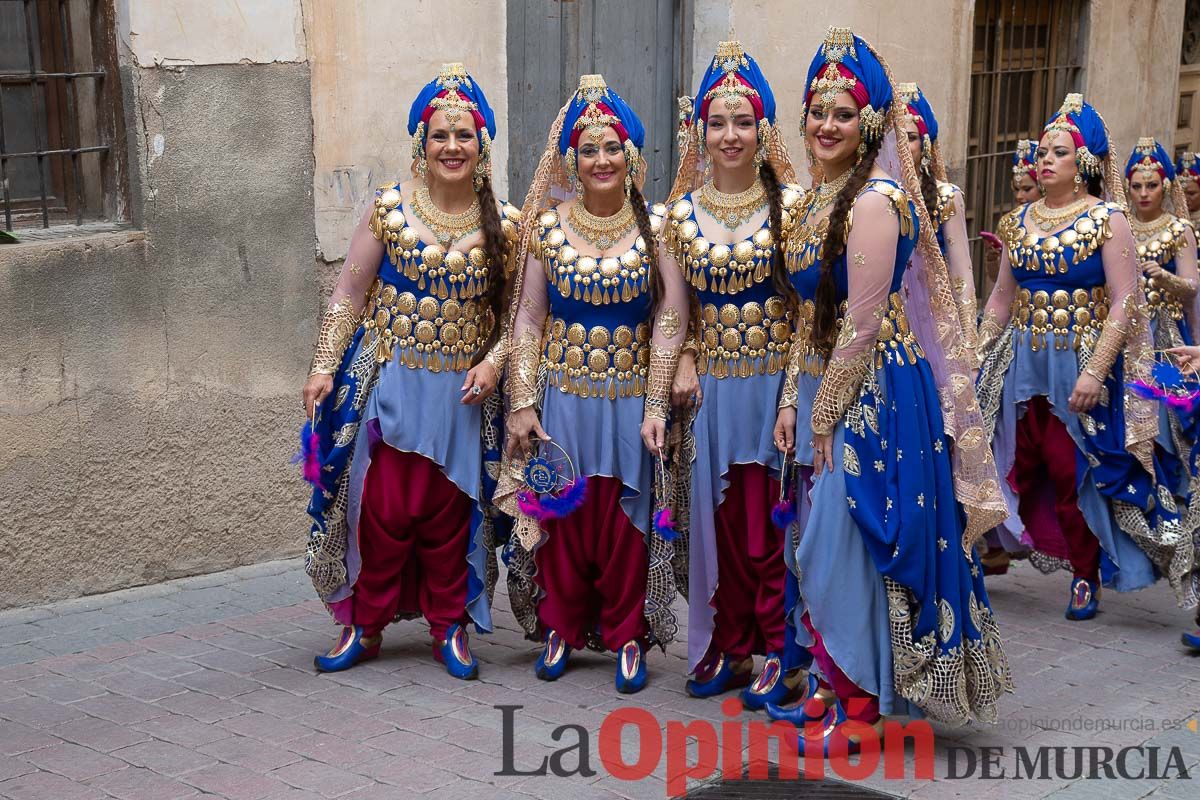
[
  {"x": 772, "y": 685},
  {"x": 1085, "y": 600},
  {"x": 353, "y": 648},
  {"x": 1191, "y": 640},
  {"x": 552, "y": 662},
  {"x": 720, "y": 678},
  {"x": 631, "y": 668},
  {"x": 810, "y": 708},
  {"x": 455, "y": 654},
  {"x": 829, "y": 736}
]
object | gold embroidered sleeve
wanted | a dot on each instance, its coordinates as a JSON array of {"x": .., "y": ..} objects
[
  {"x": 498, "y": 355},
  {"x": 663, "y": 361},
  {"x": 1181, "y": 288},
  {"x": 839, "y": 387},
  {"x": 338, "y": 325},
  {"x": 790, "y": 396},
  {"x": 1108, "y": 347},
  {"x": 968, "y": 313},
  {"x": 525, "y": 356},
  {"x": 989, "y": 332}
]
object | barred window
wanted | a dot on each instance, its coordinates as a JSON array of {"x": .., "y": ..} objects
[{"x": 59, "y": 117}]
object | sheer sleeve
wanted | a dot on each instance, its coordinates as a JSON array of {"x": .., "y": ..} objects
[
  {"x": 962, "y": 272},
  {"x": 349, "y": 299},
  {"x": 1183, "y": 282},
  {"x": 1124, "y": 293},
  {"x": 670, "y": 327},
  {"x": 998, "y": 309},
  {"x": 533, "y": 304},
  {"x": 870, "y": 264}
]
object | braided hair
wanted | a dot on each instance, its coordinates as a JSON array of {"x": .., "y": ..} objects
[
  {"x": 779, "y": 274},
  {"x": 643, "y": 222},
  {"x": 494, "y": 246},
  {"x": 825, "y": 301}
]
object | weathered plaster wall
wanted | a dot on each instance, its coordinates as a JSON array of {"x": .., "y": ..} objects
[
  {"x": 783, "y": 36},
  {"x": 1132, "y": 73},
  {"x": 150, "y": 378},
  {"x": 368, "y": 63},
  {"x": 212, "y": 32}
]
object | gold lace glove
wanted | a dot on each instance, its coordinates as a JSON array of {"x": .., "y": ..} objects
[
  {"x": 989, "y": 332},
  {"x": 790, "y": 396},
  {"x": 663, "y": 361},
  {"x": 498, "y": 355},
  {"x": 338, "y": 325},
  {"x": 1179, "y": 288},
  {"x": 1108, "y": 348},
  {"x": 525, "y": 354},
  {"x": 968, "y": 314},
  {"x": 839, "y": 387}
]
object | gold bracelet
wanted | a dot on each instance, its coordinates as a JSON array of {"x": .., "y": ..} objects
[
  {"x": 1108, "y": 347},
  {"x": 663, "y": 361},
  {"x": 338, "y": 325},
  {"x": 525, "y": 354}
]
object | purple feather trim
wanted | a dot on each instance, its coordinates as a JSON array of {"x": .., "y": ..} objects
[
  {"x": 664, "y": 525},
  {"x": 550, "y": 506},
  {"x": 1182, "y": 402},
  {"x": 310, "y": 445},
  {"x": 784, "y": 513}
]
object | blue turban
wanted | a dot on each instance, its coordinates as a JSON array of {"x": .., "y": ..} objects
[
  {"x": 1025, "y": 158},
  {"x": 733, "y": 72},
  {"x": 844, "y": 63},
  {"x": 453, "y": 88},
  {"x": 1152, "y": 156},
  {"x": 1086, "y": 128},
  {"x": 596, "y": 105}
]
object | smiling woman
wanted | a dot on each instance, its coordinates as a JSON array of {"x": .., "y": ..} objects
[{"x": 401, "y": 396}]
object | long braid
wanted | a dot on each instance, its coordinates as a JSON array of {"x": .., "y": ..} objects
[
  {"x": 779, "y": 274},
  {"x": 929, "y": 192},
  {"x": 496, "y": 297},
  {"x": 643, "y": 222},
  {"x": 825, "y": 300}
]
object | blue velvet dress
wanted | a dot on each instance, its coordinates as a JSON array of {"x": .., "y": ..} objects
[{"x": 900, "y": 607}]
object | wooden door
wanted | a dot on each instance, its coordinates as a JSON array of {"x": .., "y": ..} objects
[{"x": 640, "y": 48}]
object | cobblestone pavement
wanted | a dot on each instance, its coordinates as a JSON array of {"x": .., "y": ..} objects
[{"x": 203, "y": 687}]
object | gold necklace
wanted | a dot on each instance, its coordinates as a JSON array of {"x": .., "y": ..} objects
[
  {"x": 731, "y": 210},
  {"x": 1048, "y": 219},
  {"x": 828, "y": 191},
  {"x": 602, "y": 232},
  {"x": 447, "y": 228},
  {"x": 1144, "y": 231}
]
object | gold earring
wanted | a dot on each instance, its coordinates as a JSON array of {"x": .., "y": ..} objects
[
  {"x": 628, "y": 184},
  {"x": 1078, "y": 183}
]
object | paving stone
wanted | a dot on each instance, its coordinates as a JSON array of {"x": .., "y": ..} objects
[
  {"x": 135, "y": 783},
  {"x": 250, "y": 753},
  {"x": 140, "y": 687},
  {"x": 217, "y": 683},
  {"x": 164, "y": 758},
  {"x": 72, "y": 761},
  {"x": 47, "y": 786},
  {"x": 320, "y": 778},
  {"x": 265, "y": 727},
  {"x": 181, "y": 730},
  {"x": 202, "y": 707},
  {"x": 231, "y": 781},
  {"x": 335, "y": 750},
  {"x": 122, "y": 710},
  {"x": 98, "y": 734},
  {"x": 13, "y": 767},
  {"x": 39, "y": 712}
]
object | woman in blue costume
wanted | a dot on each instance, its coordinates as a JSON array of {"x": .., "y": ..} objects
[
  {"x": 944, "y": 201},
  {"x": 892, "y": 603},
  {"x": 1187, "y": 171},
  {"x": 598, "y": 320},
  {"x": 731, "y": 209},
  {"x": 402, "y": 393},
  {"x": 1166, "y": 252},
  {"x": 1062, "y": 334}
]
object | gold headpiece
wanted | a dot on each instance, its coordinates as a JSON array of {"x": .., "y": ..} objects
[
  {"x": 730, "y": 58},
  {"x": 450, "y": 78},
  {"x": 1187, "y": 162},
  {"x": 593, "y": 119},
  {"x": 1025, "y": 149},
  {"x": 838, "y": 42},
  {"x": 1146, "y": 143},
  {"x": 908, "y": 92},
  {"x": 453, "y": 75}
]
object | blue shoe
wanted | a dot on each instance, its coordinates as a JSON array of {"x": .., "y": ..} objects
[
  {"x": 829, "y": 737},
  {"x": 720, "y": 677},
  {"x": 810, "y": 708},
  {"x": 353, "y": 648},
  {"x": 552, "y": 663},
  {"x": 772, "y": 685},
  {"x": 631, "y": 668},
  {"x": 1191, "y": 640},
  {"x": 1085, "y": 600},
  {"x": 455, "y": 653}
]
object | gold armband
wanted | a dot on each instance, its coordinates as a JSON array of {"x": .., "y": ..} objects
[
  {"x": 663, "y": 361},
  {"x": 338, "y": 325},
  {"x": 526, "y": 353},
  {"x": 1108, "y": 347},
  {"x": 839, "y": 387}
]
